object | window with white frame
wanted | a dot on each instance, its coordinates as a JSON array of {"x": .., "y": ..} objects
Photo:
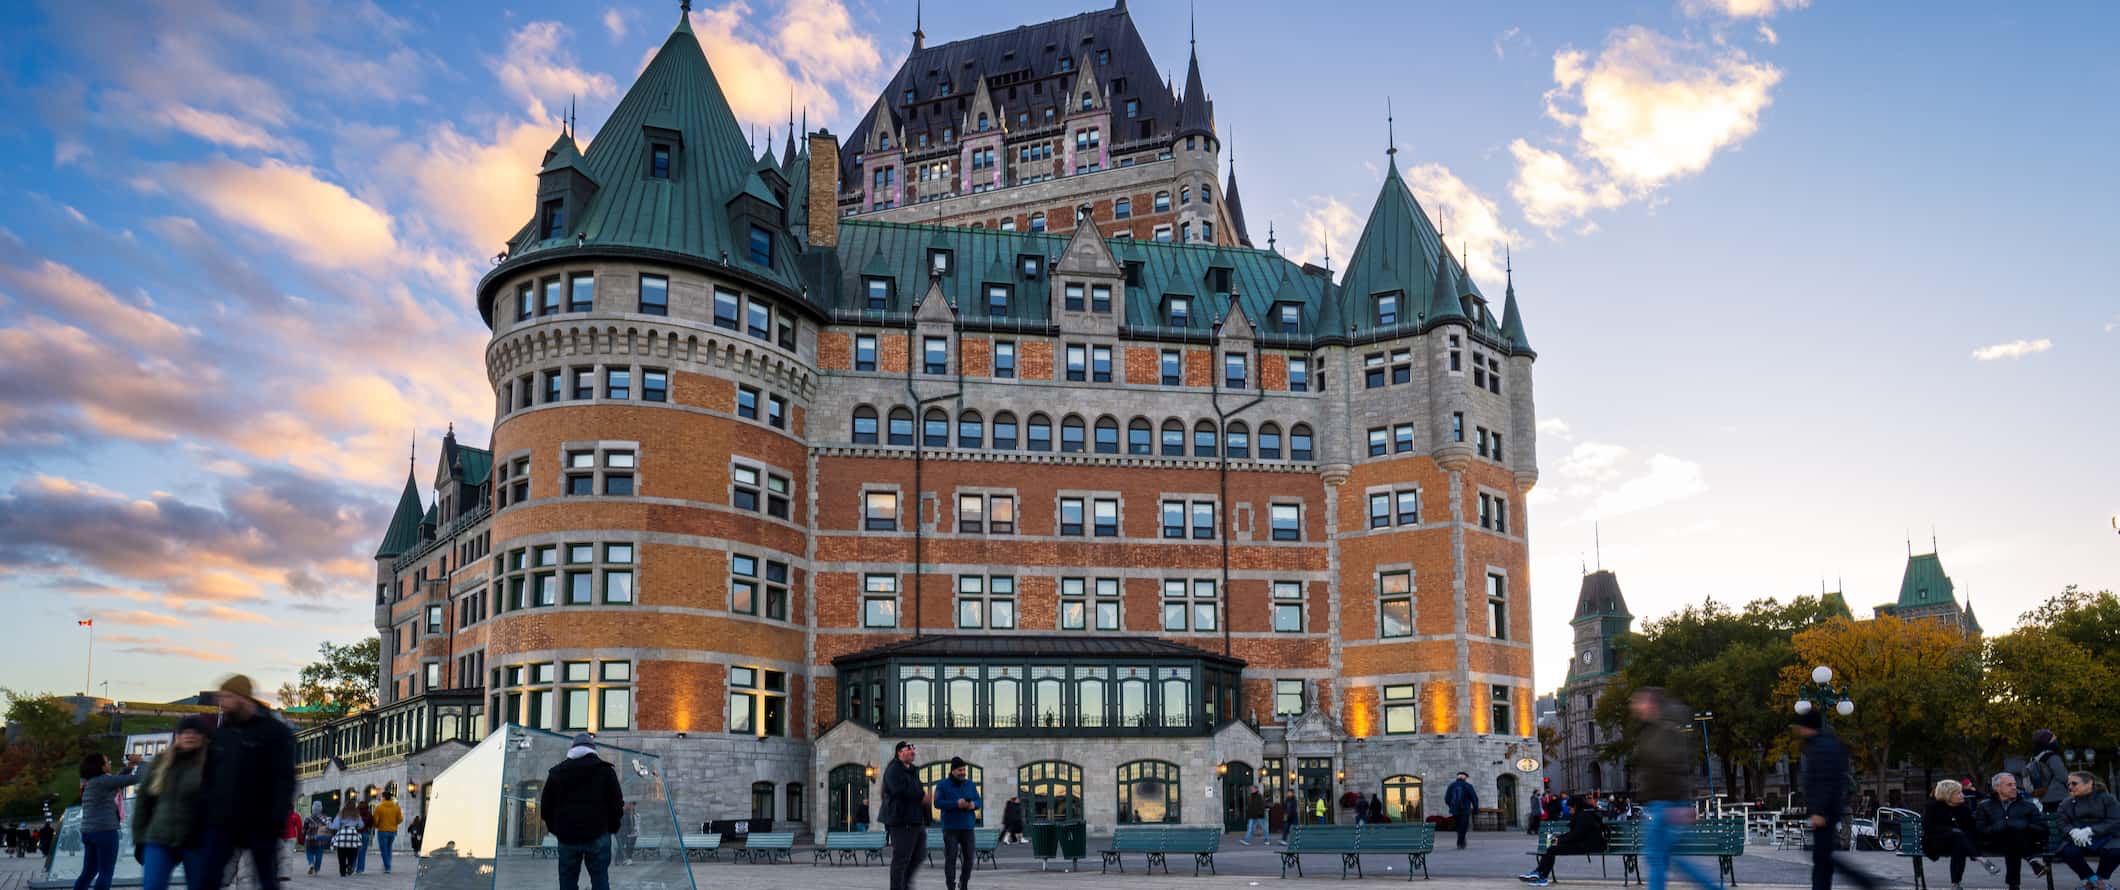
[
  {"x": 1189, "y": 605},
  {"x": 986, "y": 601},
  {"x": 1401, "y": 710},
  {"x": 1289, "y": 697},
  {"x": 1288, "y": 606},
  {"x": 879, "y": 601}
]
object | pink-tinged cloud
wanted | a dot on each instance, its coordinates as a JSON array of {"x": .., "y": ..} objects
[
  {"x": 136, "y": 618},
  {"x": 139, "y": 645},
  {"x": 217, "y": 128},
  {"x": 537, "y": 69},
  {"x": 326, "y": 225},
  {"x": 61, "y": 289}
]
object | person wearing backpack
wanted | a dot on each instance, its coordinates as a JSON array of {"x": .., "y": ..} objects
[
  {"x": 316, "y": 836},
  {"x": 2045, "y": 777}
]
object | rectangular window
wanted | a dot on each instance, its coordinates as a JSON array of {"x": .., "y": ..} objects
[
  {"x": 1073, "y": 298},
  {"x": 1401, "y": 712},
  {"x": 654, "y": 295},
  {"x": 1173, "y": 368},
  {"x": 555, "y": 387},
  {"x": 776, "y": 412},
  {"x": 761, "y": 246},
  {"x": 1401, "y": 365},
  {"x": 1498, "y": 702},
  {"x": 971, "y": 514},
  {"x": 1387, "y": 309},
  {"x": 1203, "y": 520},
  {"x": 935, "y": 352},
  {"x": 996, "y": 300},
  {"x": 1077, "y": 367},
  {"x": 1071, "y": 516},
  {"x": 581, "y": 293},
  {"x": 1174, "y": 519},
  {"x": 1379, "y": 441},
  {"x": 1287, "y": 522},
  {"x": 1409, "y": 507},
  {"x": 747, "y": 402},
  {"x": 1298, "y": 375},
  {"x": 1289, "y": 316},
  {"x": 659, "y": 161},
  {"x": 1402, "y": 438},
  {"x": 618, "y": 383},
  {"x": 1457, "y": 426},
  {"x": 1287, "y": 607},
  {"x": 1288, "y": 697},
  {"x": 1395, "y": 602},
  {"x": 554, "y": 213},
  {"x": 1236, "y": 372},
  {"x": 1380, "y": 510},
  {"x": 743, "y": 584},
  {"x": 1178, "y": 311},
  {"x": 1100, "y": 298},
  {"x": 1108, "y": 604},
  {"x": 879, "y": 601},
  {"x": 879, "y": 511},
  {"x": 1106, "y": 513},
  {"x": 584, "y": 383},
  {"x": 525, "y": 303},
  {"x": 787, "y": 331},
  {"x": 879, "y": 294},
  {"x": 1004, "y": 359},
  {"x": 728, "y": 310},
  {"x": 1100, "y": 364},
  {"x": 1497, "y": 606},
  {"x": 654, "y": 385},
  {"x": 865, "y": 352},
  {"x": 1373, "y": 370},
  {"x": 758, "y": 319}
]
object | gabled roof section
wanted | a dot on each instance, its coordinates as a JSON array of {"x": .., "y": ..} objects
[
  {"x": 683, "y": 214},
  {"x": 1924, "y": 583},
  {"x": 1012, "y": 62},
  {"x": 1399, "y": 251},
  {"x": 1600, "y": 597},
  {"x": 563, "y": 154},
  {"x": 478, "y": 464},
  {"x": 404, "y": 531}
]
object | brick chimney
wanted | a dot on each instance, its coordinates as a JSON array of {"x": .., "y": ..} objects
[{"x": 824, "y": 189}]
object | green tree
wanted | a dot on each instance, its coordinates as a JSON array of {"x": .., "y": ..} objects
[
  {"x": 341, "y": 681},
  {"x": 46, "y": 738},
  {"x": 1912, "y": 681}
]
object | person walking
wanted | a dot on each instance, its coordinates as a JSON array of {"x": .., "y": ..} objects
[
  {"x": 1289, "y": 811},
  {"x": 316, "y": 835},
  {"x": 360, "y": 863},
  {"x": 1947, "y": 829},
  {"x": 2009, "y": 823},
  {"x": 958, "y": 799},
  {"x": 169, "y": 815},
  {"x": 290, "y": 841},
  {"x": 1462, "y": 800},
  {"x": 387, "y": 817},
  {"x": 628, "y": 833},
  {"x": 1376, "y": 810},
  {"x": 1012, "y": 821},
  {"x": 1663, "y": 769},
  {"x": 1825, "y": 794},
  {"x": 101, "y": 791},
  {"x": 250, "y": 783},
  {"x": 1585, "y": 834},
  {"x": 1536, "y": 813},
  {"x": 860, "y": 816},
  {"x": 1254, "y": 816},
  {"x": 346, "y": 836},
  {"x": 417, "y": 832},
  {"x": 2090, "y": 825},
  {"x": 2045, "y": 778},
  {"x": 904, "y": 812},
  {"x": 581, "y": 806}
]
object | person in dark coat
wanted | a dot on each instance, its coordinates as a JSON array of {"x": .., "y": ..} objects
[
  {"x": 2045, "y": 778},
  {"x": 2011, "y": 824},
  {"x": 1376, "y": 810},
  {"x": 1825, "y": 794},
  {"x": 1462, "y": 800},
  {"x": 249, "y": 782},
  {"x": 1948, "y": 829},
  {"x": 417, "y": 832},
  {"x": 2090, "y": 826},
  {"x": 1012, "y": 821},
  {"x": 169, "y": 815},
  {"x": 582, "y": 806},
  {"x": 904, "y": 812},
  {"x": 1254, "y": 816},
  {"x": 1585, "y": 834}
]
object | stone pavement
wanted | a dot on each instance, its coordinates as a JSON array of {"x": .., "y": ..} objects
[{"x": 1487, "y": 864}]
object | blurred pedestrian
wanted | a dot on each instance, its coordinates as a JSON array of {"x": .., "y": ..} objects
[
  {"x": 1947, "y": 829},
  {"x": 346, "y": 836},
  {"x": 2090, "y": 826},
  {"x": 860, "y": 815},
  {"x": 1011, "y": 821},
  {"x": 2011, "y": 824},
  {"x": 1254, "y": 816},
  {"x": 102, "y": 793},
  {"x": 417, "y": 832},
  {"x": 904, "y": 812},
  {"x": 1663, "y": 769},
  {"x": 628, "y": 833},
  {"x": 1462, "y": 801},
  {"x": 1289, "y": 811},
  {"x": 249, "y": 784},
  {"x": 360, "y": 862},
  {"x": 290, "y": 841},
  {"x": 169, "y": 813},
  {"x": 1825, "y": 793},
  {"x": 582, "y": 805}
]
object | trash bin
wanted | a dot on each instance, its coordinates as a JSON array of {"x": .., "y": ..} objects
[
  {"x": 1045, "y": 840},
  {"x": 1074, "y": 841}
]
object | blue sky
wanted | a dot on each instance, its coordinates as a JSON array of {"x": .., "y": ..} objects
[{"x": 1806, "y": 279}]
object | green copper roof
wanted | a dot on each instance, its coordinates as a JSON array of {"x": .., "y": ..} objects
[
  {"x": 478, "y": 464},
  {"x": 563, "y": 154},
  {"x": 1924, "y": 583},
  {"x": 686, "y": 213},
  {"x": 1399, "y": 251},
  {"x": 1513, "y": 321},
  {"x": 404, "y": 531}
]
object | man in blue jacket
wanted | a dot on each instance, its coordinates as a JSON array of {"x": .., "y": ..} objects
[
  {"x": 958, "y": 799},
  {"x": 1462, "y": 801}
]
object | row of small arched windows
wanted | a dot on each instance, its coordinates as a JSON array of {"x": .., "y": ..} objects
[{"x": 1077, "y": 436}]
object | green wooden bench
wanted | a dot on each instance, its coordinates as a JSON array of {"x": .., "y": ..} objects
[
  {"x": 770, "y": 846},
  {"x": 701, "y": 847},
  {"x": 984, "y": 842},
  {"x": 850, "y": 847},
  {"x": 1910, "y": 847},
  {"x": 648, "y": 846},
  {"x": 1157, "y": 842},
  {"x": 2056, "y": 837},
  {"x": 1350, "y": 842},
  {"x": 1721, "y": 837},
  {"x": 1620, "y": 838}
]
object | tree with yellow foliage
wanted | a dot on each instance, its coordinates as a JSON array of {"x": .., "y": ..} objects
[{"x": 1912, "y": 682}]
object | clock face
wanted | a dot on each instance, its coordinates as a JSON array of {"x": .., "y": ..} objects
[
  {"x": 1586, "y": 656},
  {"x": 1527, "y": 764}
]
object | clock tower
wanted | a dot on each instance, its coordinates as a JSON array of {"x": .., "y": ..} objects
[{"x": 1601, "y": 617}]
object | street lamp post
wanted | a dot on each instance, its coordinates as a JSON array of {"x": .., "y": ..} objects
[
  {"x": 1708, "y": 756},
  {"x": 1822, "y": 694}
]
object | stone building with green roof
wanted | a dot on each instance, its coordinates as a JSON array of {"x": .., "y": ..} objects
[
  {"x": 1129, "y": 523},
  {"x": 1926, "y": 593}
]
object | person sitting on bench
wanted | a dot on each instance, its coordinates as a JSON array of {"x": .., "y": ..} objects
[
  {"x": 1947, "y": 830},
  {"x": 1586, "y": 834},
  {"x": 2011, "y": 824},
  {"x": 2090, "y": 826}
]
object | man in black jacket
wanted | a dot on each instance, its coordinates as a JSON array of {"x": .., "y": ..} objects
[
  {"x": 1586, "y": 834},
  {"x": 2011, "y": 824},
  {"x": 904, "y": 812},
  {"x": 1825, "y": 794},
  {"x": 249, "y": 785},
  {"x": 582, "y": 806}
]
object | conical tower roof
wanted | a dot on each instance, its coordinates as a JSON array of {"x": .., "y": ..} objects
[
  {"x": 1399, "y": 251},
  {"x": 1513, "y": 319},
  {"x": 1600, "y": 597},
  {"x": 1195, "y": 115},
  {"x": 1235, "y": 206},
  {"x": 404, "y": 531}
]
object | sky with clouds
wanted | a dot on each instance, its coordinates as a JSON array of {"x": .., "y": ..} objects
[{"x": 1806, "y": 279}]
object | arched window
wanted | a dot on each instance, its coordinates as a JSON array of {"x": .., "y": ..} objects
[
  {"x": 932, "y": 774},
  {"x": 1107, "y": 435},
  {"x": 1269, "y": 441},
  {"x": 864, "y": 425},
  {"x": 1004, "y": 431},
  {"x": 1173, "y": 438},
  {"x": 1148, "y": 792},
  {"x": 1299, "y": 442},
  {"x": 1071, "y": 431},
  {"x": 1239, "y": 443},
  {"x": 1038, "y": 434},
  {"x": 1133, "y": 697},
  {"x": 1140, "y": 438},
  {"x": 1089, "y": 697},
  {"x": 1207, "y": 193},
  {"x": 1162, "y": 202},
  {"x": 1088, "y": 101},
  {"x": 1004, "y": 696},
  {"x": 984, "y": 124},
  {"x": 1051, "y": 791},
  {"x": 916, "y": 696},
  {"x": 935, "y": 429},
  {"x": 1038, "y": 221},
  {"x": 1185, "y": 195},
  {"x": 847, "y": 797},
  {"x": 901, "y": 426},
  {"x": 1123, "y": 208},
  {"x": 971, "y": 430},
  {"x": 1402, "y": 798},
  {"x": 1204, "y": 439}
]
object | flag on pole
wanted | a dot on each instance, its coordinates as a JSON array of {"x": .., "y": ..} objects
[{"x": 85, "y": 622}]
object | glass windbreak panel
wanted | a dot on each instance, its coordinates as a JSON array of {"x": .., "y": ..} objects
[
  {"x": 485, "y": 828},
  {"x": 67, "y": 849}
]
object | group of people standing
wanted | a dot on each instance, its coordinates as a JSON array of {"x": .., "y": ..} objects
[
  {"x": 22, "y": 840},
  {"x": 905, "y": 810},
  {"x": 355, "y": 828}
]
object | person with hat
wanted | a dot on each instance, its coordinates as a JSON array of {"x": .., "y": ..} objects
[
  {"x": 249, "y": 784},
  {"x": 958, "y": 799},
  {"x": 1825, "y": 794},
  {"x": 904, "y": 812},
  {"x": 169, "y": 815},
  {"x": 2045, "y": 776},
  {"x": 582, "y": 806}
]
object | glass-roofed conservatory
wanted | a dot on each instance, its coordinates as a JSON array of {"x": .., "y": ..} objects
[{"x": 1038, "y": 685}]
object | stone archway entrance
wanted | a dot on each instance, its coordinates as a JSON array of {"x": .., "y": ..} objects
[{"x": 1236, "y": 788}]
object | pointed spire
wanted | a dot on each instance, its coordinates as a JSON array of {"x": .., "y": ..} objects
[
  {"x": 919, "y": 36},
  {"x": 684, "y": 16},
  {"x": 1512, "y": 317},
  {"x": 404, "y": 531},
  {"x": 1195, "y": 116},
  {"x": 1391, "y": 132},
  {"x": 1270, "y": 243}
]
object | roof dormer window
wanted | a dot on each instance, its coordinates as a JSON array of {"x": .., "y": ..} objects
[
  {"x": 984, "y": 123},
  {"x": 1067, "y": 64},
  {"x": 553, "y": 219},
  {"x": 883, "y": 140},
  {"x": 1089, "y": 100},
  {"x": 1031, "y": 264},
  {"x": 761, "y": 246},
  {"x": 939, "y": 262},
  {"x": 879, "y": 294},
  {"x": 1289, "y": 317},
  {"x": 659, "y": 161},
  {"x": 1178, "y": 311},
  {"x": 1387, "y": 306}
]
